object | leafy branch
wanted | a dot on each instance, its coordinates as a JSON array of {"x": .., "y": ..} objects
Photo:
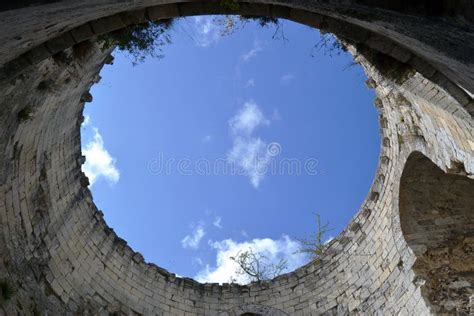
[
  {"x": 256, "y": 267},
  {"x": 230, "y": 24},
  {"x": 329, "y": 44},
  {"x": 141, "y": 40},
  {"x": 315, "y": 245}
]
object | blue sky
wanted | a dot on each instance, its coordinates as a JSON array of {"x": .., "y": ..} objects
[{"x": 188, "y": 155}]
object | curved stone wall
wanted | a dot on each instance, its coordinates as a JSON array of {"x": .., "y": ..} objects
[{"x": 59, "y": 256}]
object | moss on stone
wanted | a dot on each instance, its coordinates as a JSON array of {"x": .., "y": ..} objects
[
  {"x": 6, "y": 291},
  {"x": 25, "y": 114}
]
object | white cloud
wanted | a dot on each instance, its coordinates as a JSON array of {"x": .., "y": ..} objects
[
  {"x": 257, "y": 48},
  {"x": 207, "y": 139},
  {"x": 207, "y": 32},
  {"x": 248, "y": 153},
  {"x": 87, "y": 120},
  {"x": 248, "y": 118},
  {"x": 99, "y": 163},
  {"x": 276, "y": 116},
  {"x": 287, "y": 79},
  {"x": 194, "y": 239},
  {"x": 274, "y": 250},
  {"x": 217, "y": 222},
  {"x": 250, "y": 83},
  {"x": 198, "y": 261}
]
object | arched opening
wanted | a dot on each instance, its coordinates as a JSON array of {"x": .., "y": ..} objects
[{"x": 437, "y": 221}]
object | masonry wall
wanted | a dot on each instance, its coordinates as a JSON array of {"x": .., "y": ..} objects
[
  {"x": 60, "y": 257},
  {"x": 437, "y": 220}
]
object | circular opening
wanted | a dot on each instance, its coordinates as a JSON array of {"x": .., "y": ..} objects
[{"x": 229, "y": 143}]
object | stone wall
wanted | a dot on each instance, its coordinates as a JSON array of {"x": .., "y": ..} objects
[
  {"x": 60, "y": 257},
  {"x": 437, "y": 219}
]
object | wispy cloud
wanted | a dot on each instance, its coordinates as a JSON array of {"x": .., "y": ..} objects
[
  {"x": 287, "y": 79},
  {"x": 207, "y": 139},
  {"x": 206, "y": 30},
  {"x": 274, "y": 250},
  {"x": 251, "y": 156},
  {"x": 198, "y": 261},
  {"x": 99, "y": 163},
  {"x": 87, "y": 120},
  {"x": 193, "y": 240},
  {"x": 250, "y": 83},
  {"x": 257, "y": 48},
  {"x": 217, "y": 222},
  {"x": 247, "y": 119},
  {"x": 249, "y": 153},
  {"x": 276, "y": 116}
]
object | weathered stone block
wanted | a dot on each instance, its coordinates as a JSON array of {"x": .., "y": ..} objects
[
  {"x": 107, "y": 24},
  {"x": 307, "y": 18},
  {"x": 133, "y": 17},
  {"x": 457, "y": 93},
  {"x": 200, "y": 8},
  {"x": 470, "y": 109},
  {"x": 161, "y": 12},
  {"x": 380, "y": 43},
  {"x": 422, "y": 67},
  {"x": 37, "y": 54},
  {"x": 254, "y": 9},
  {"x": 346, "y": 30},
  {"x": 280, "y": 11},
  {"x": 60, "y": 43},
  {"x": 14, "y": 67},
  {"x": 401, "y": 54},
  {"x": 82, "y": 33}
]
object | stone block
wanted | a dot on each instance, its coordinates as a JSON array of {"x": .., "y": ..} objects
[
  {"x": 60, "y": 43},
  {"x": 278, "y": 11},
  {"x": 254, "y": 9},
  {"x": 37, "y": 54},
  {"x": 380, "y": 43},
  {"x": 161, "y": 12},
  {"x": 82, "y": 33},
  {"x": 470, "y": 109},
  {"x": 14, "y": 68},
  {"x": 401, "y": 54},
  {"x": 422, "y": 67},
  {"x": 107, "y": 24},
  {"x": 134, "y": 17},
  {"x": 306, "y": 18},
  {"x": 200, "y": 8},
  {"x": 347, "y": 30},
  {"x": 456, "y": 92}
]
